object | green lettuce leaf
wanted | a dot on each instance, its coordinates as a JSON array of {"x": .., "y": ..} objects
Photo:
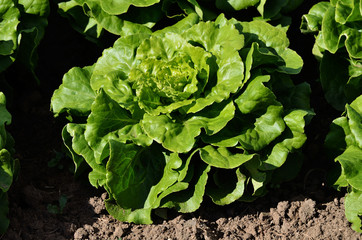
[
  {"x": 75, "y": 94},
  {"x": 353, "y": 208}
]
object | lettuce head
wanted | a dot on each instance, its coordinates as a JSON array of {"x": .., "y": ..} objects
[{"x": 196, "y": 109}]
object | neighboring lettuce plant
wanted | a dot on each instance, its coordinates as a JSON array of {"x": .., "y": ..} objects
[
  {"x": 22, "y": 25},
  {"x": 195, "y": 109},
  {"x": 8, "y": 166},
  {"x": 344, "y": 143},
  {"x": 337, "y": 25},
  {"x": 268, "y": 9},
  {"x": 93, "y": 17}
]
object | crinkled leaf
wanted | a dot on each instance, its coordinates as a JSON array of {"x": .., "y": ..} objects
[
  {"x": 357, "y": 104},
  {"x": 264, "y": 34},
  {"x": 335, "y": 35},
  {"x": 174, "y": 136},
  {"x": 256, "y": 96},
  {"x": 258, "y": 178},
  {"x": 223, "y": 42},
  {"x": 266, "y": 129},
  {"x": 353, "y": 208},
  {"x": 97, "y": 177},
  {"x": 251, "y": 136},
  {"x": 180, "y": 136},
  {"x": 259, "y": 57},
  {"x": 355, "y": 125},
  {"x": 106, "y": 121},
  {"x": 131, "y": 172},
  {"x": 166, "y": 78},
  {"x": 348, "y": 11},
  {"x": 190, "y": 199},
  {"x": 140, "y": 216},
  {"x": 75, "y": 93},
  {"x": 214, "y": 118},
  {"x": 270, "y": 8},
  {"x": 293, "y": 139},
  {"x": 96, "y": 17},
  {"x": 223, "y": 158},
  {"x": 9, "y": 15},
  {"x": 351, "y": 162},
  {"x": 273, "y": 38},
  {"x": 79, "y": 162},
  {"x": 312, "y": 21},
  {"x": 229, "y": 186},
  {"x": 35, "y": 7}
]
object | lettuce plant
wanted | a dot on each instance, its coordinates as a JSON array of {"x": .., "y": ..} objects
[
  {"x": 8, "y": 166},
  {"x": 337, "y": 27},
  {"x": 344, "y": 142},
  {"x": 268, "y": 9},
  {"x": 93, "y": 17},
  {"x": 22, "y": 25},
  {"x": 195, "y": 109}
]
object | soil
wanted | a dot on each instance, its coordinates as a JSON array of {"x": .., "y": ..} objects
[{"x": 48, "y": 202}]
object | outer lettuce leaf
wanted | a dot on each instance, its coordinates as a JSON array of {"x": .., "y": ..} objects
[
  {"x": 75, "y": 93},
  {"x": 169, "y": 117},
  {"x": 353, "y": 203},
  {"x": 223, "y": 158},
  {"x": 228, "y": 187},
  {"x": 189, "y": 200},
  {"x": 73, "y": 134}
]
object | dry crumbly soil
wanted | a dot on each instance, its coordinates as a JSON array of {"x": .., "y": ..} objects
[{"x": 305, "y": 208}]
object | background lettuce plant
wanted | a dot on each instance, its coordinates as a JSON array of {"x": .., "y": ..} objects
[
  {"x": 94, "y": 17},
  {"x": 338, "y": 45},
  {"x": 267, "y": 9},
  {"x": 22, "y": 25},
  {"x": 194, "y": 109},
  {"x": 337, "y": 27},
  {"x": 344, "y": 144},
  {"x": 8, "y": 166}
]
